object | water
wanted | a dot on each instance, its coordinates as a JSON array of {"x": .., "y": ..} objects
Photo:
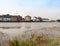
[
  {"x": 14, "y": 29},
  {"x": 10, "y": 30}
]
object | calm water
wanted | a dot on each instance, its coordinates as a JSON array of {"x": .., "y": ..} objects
[{"x": 13, "y": 29}]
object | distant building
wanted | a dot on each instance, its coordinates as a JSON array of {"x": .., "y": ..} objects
[
  {"x": 23, "y": 19},
  {"x": 6, "y": 17},
  {"x": 45, "y": 19},
  {"x": 37, "y": 19},
  {"x": 40, "y": 19},
  {"x": 0, "y": 18},
  {"x": 19, "y": 18},
  {"x": 10, "y": 18},
  {"x": 27, "y": 18},
  {"x": 13, "y": 18},
  {"x": 16, "y": 18}
]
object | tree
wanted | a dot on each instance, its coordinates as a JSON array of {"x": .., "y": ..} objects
[{"x": 58, "y": 20}]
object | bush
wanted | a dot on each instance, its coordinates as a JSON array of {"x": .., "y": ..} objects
[{"x": 58, "y": 20}]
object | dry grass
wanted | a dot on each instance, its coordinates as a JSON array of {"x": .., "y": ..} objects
[{"x": 34, "y": 40}]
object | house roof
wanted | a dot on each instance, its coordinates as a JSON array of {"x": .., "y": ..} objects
[
  {"x": 10, "y": 15},
  {"x": 28, "y": 16}
]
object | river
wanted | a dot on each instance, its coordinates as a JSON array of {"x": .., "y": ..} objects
[{"x": 18, "y": 28}]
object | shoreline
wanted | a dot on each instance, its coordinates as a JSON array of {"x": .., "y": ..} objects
[{"x": 20, "y": 21}]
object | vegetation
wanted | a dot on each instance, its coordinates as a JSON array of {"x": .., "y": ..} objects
[
  {"x": 58, "y": 20},
  {"x": 35, "y": 40}
]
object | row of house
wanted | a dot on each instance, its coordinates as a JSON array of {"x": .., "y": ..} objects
[
  {"x": 10, "y": 17},
  {"x": 18, "y": 18}
]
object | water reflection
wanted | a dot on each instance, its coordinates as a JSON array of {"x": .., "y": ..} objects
[{"x": 19, "y": 28}]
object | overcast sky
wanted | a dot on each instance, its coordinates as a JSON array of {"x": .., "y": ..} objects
[{"x": 43, "y": 8}]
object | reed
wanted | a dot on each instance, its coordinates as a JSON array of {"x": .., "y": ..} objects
[{"x": 35, "y": 40}]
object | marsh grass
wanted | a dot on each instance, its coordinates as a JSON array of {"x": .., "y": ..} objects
[
  {"x": 35, "y": 40},
  {"x": 55, "y": 42}
]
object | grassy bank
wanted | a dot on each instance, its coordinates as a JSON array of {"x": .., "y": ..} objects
[{"x": 35, "y": 40}]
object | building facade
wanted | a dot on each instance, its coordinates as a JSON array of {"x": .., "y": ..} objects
[
  {"x": 8, "y": 18},
  {"x": 19, "y": 18},
  {"x": 45, "y": 19},
  {"x": 27, "y": 18},
  {"x": 0, "y": 18},
  {"x": 37, "y": 19}
]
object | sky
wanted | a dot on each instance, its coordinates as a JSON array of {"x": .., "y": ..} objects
[{"x": 43, "y": 8}]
